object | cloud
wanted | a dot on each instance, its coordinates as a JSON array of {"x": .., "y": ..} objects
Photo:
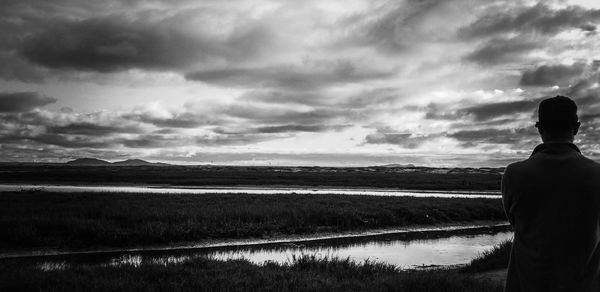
[
  {"x": 502, "y": 50},
  {"x": 67, "y": 141},
  {"x": 289, "y": 128},
  {"x": 519, "y": 138},
  {"x": 15, "y": 68},
  {"x": 307, "y": 76},
  {"x": 487, "y": 111},
  {"x": 22, "y": 101},
  {"x": 405, "y": 140},
  {"x": 481, "y": 112},
  {"x": 154, "y": 141},
  {"x": 394, "y": 27},
  {"x": 550, "y": 75},
  {"x": 116, "y": 43},
  {"x": 92, "y": 129},
  {"x": 439, "y": 77},
  {"x": 177, "y": 120},
  {"x": 539, "y": 18}
]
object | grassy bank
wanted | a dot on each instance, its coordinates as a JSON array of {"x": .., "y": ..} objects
[
  {"x": 305, "y": 274},
  {"x": 495, "y": 258},
  {"x": 85, "y": 220}
]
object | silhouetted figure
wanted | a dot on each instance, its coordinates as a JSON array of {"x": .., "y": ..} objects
[{"x": 552, "y": 200}]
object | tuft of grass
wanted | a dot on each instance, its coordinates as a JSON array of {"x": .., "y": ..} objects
[
  {"x": 495, "y": 258},
  {"x": 306, "y": 273},
  {"x": 95, "y": 220}
]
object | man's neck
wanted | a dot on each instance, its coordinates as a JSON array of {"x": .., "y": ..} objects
[{"x": 558, "y": 139}]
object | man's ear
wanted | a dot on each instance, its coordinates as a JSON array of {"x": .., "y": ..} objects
[
  {"x": 539, "y": 128},
  {"x": 576, "y": 128}
]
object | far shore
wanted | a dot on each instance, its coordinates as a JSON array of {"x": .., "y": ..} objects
[{"x": 397, "y": 178}]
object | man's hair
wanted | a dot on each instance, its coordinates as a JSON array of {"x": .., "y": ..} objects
[{"x": 559, "y": 112}]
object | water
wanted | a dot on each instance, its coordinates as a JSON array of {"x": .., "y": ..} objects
[
  {"x": 392, "y": 249},
  {"x": 248, "y": 190},
  {"x": 454, "y": 250}
]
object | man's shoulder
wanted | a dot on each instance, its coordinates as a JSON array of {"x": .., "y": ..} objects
[
  {"x": 516, "y": 166},
  {"x": 532, "y": 164},
  {"x": 590, "y": 163}
]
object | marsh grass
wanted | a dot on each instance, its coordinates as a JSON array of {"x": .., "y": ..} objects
[
  {"x": 306, "y": 273},
  {"x": 492, "y": 259},
  {"x": 84, "y": 220},
  {"x": 421, "y": 178}
]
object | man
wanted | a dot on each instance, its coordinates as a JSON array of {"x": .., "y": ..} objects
[{"x": 552, "y": 200}]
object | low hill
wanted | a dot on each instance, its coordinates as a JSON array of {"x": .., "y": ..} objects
[
  {"x": 398, "y": 165},
  {"x": 88, "y": 161},
  {"x": 133, "y": 162}
]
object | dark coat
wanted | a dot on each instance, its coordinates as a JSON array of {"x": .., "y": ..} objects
[{"x": 552, "y": 200}]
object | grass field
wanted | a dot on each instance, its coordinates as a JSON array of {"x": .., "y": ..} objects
[
  {"x": 92, "y": 220},
  {"x": 201, "y": 274},
  {"x": 377, "y": 177}
]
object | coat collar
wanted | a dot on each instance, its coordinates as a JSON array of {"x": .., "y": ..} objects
[{"x": 555, "y": 148}]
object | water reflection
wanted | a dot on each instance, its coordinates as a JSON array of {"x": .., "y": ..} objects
[
  {"x": 406, "y": 254},
  {"x": 249, "y": 190},
  {"x": 392, "y": 249}
]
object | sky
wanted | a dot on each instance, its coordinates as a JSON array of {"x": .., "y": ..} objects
[{"x": 442, "y": 83}]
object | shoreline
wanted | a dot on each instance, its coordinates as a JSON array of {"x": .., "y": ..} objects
[
  {"x": 411, "y": 233},
  {"x": 253, "y": 190},
  {"x": 251, "y": 187}
]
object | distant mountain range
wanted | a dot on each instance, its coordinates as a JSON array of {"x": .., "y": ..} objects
[
  {"x": 128, "y": 162},
  {"x": 398, "y": 165}
]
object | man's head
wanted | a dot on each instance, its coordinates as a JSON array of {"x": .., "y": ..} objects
[{"x": 557, "y": 119}]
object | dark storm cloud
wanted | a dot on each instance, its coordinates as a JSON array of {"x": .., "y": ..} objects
[
  {"x": 261, "y": 114},
  {"x": 489, "y": 111},
  {"x": 501, "y": 50},
  {"x": 153, "y": 141},
  {"x": 518, "y": 137},
  {"x": 535, "y": 19},
  {"x": 107, "y": 44},
  {"x": 298, "y": 128},
  {"x": 115, "y": 43},
  {"x": 229, "y": 140},
  {"x": 319, "y": 111},
  {"x": 406, "y": 140},
  {"x": 92, "y": 129},
  {"x": 67, "y": 141},
  {"x": 219, "y": 138},
  {"x": 22, "y": 101},
  {"x": 392, "y": 28},
  {"x": 481, "y": 112},
  {"x": 15, "y": 68},
  {"x": 72, "y": 141},
  {"x": 589, "y": 118},
  {"x": 306, "y": 77},
  {"x": 376, "y": 97},
  {"x": 182, "y": 120},
  {"x": 550, "y": 75},
  {"x": 314, "y": 98},
  {"x": 289, "y": 128}
]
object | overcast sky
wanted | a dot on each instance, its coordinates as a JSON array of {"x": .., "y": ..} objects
[{"x": 348, "y": 82}]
